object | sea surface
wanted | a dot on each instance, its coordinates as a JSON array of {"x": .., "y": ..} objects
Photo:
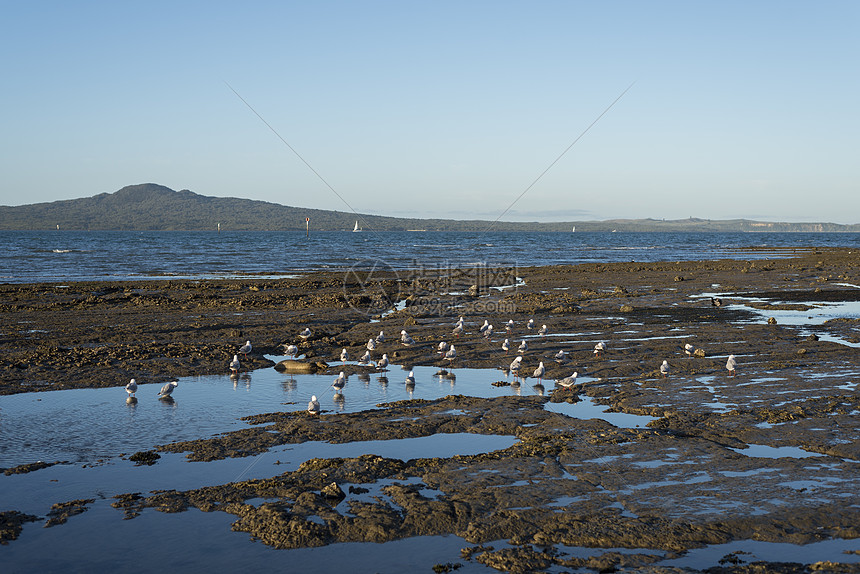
[{"x": 58, "y": 255}]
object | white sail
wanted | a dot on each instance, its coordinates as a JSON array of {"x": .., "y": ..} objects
[{"x": 356, "y": 228}]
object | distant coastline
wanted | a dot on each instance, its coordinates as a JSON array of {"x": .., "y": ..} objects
[{"x": 153, "y": 207}]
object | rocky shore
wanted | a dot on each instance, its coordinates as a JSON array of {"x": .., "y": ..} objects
[{"x": 684, "y": 481}]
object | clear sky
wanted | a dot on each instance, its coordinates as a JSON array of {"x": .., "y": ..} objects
[{"x": 442, "y": 108}]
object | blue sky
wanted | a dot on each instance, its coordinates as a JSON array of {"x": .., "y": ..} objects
[{"x": 442, "y": 109}]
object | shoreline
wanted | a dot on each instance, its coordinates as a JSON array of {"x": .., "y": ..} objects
[{"x": 682, "y": 482}]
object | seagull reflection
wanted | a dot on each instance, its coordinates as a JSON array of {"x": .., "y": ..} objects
[
  {"x": 539, "y": 389},
  {"x": 289, "y": 385},
  {"x": 339, "y": 401},
  {"x": 383, "y": 381},
  {"x": 364, "y": 378}
]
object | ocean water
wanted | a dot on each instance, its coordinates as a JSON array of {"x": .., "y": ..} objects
[{"x": 57, "y": 255}]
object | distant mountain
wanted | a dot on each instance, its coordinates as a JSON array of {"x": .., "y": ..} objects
[{"x": 150, "y": 206}]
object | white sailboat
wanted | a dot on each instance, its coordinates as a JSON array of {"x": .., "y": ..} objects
[
  {"x": 356, "y": 228},
  {"x": 573, "y": 230}
]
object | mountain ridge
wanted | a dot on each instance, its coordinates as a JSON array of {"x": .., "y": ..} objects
[{"x": 151, "y": 206}]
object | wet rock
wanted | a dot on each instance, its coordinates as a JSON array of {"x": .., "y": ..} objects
[
  {"x": 771, "y": 321},
  {"x": 299, "y": 367},
  {"x": 144, "y": 457},
  {"x": 333, "y": 491},
  {"x": 61, "y": 512},
  {"x": 29, "y": 467},
  {"x": 11, "y": 524},
  {"x": 626, "y": 308}
]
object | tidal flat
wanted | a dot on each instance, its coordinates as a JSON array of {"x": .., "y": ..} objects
[{"x": 472, "y": 469}]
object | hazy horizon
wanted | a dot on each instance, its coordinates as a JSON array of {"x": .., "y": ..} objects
[{"x": 443, "y": 110}]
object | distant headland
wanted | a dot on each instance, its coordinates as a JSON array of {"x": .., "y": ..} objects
[{"x": 150, "y": 206}]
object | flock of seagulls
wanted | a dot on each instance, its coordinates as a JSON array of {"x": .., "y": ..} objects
[{"x": 447, "y": 352}]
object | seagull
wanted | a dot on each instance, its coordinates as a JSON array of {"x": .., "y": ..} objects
[
  {"x": 131, "y": 388},
  {"x": 531, "y": 324},
  {"x": 314, "y": 406},
  {"x": 506, "y": 346},
  {"x": 371, "y": 345},
  {"x": 731, "y": 364},
  {"x": 410, "y": 378},
  {"x": 383, "y": 362},
  {"x": 523, "y": 347},
  {"x": 380, "y": 338},
  {"x": 339, "y": 382},
  {"x": 405, "y": 338},
  {"x": 245, "y": 349},
  {"x": 539, "y": 372},
  {"x": 515, "y": 367},
  {"x": 664, "y": 369},
  {"x": 599, "y": 348},
  {"x": 443, "y": 346},
  {"x": 560, "y": 357},
  {"x": 485, "y": 326},
  {"x": 365, "y": 358},
  {"x": 292, "y": 350},
  {"x": 509, "y": 326},
  {"x": 689, "y": 349},
  {"x": 488, "y": 332},
  {"x": 459, "y": 321},
  {"x": 167, "y": 389},
  {"x": 451, "y": 354},
  {"x": 458, "y": 330},
  {"x": 344, "y": 356},
  {"x": 568, "y": 382},
  {"x": 542, "y": 330},
  {"x": 234, "y": 364},
  {"x": 306, "y": 333}
]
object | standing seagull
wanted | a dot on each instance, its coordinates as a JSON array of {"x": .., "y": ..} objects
[
  {"x": 234, "y": 365},
  {"x": 306, "y": 333},
  {"x": 731, "y": 364},
  {"x": 539, "y": 372},
  {"x": 509, "y": 326},
  {"x": 365, "y": 358},
  {"x": 131, "y": 388},
  {"x": 167, "y": 389},
  {"x": 515, "y": 367},
  {"x": 451, "y": 354},
  {"x": 245, "y": 349},
  {"x": 599, "y": 348},
  {"x": 383, "y": 363},
  {"x": 410, "y": 378},
  {"x": 443, "y": 346},
  {"x": 689, "y": 349},
  {"x": 292, "y": 351},
  {"x": 380, "y": 338},
  {"x": 506, "y": 346},
  {"x": 339, "y": 382},
  {"x": 314, "y": 406},
  {"x": 542, "y": 330},
  {"x": 568, "y": 382},
  {"x": 561, "y": 357},
  {"x": 523, "y": 347},
  {"x": 344, "y": 356},
  {"x": 458, "y": 330},
  {"x": 531, "y": 324},
  {"x": 484, "y": 327},
  {"x": 405, "y": 338},
  {"x": 664, "y": 369},
  {"x": 371, "y": 345},
  {"x": 488, "y": 332}
]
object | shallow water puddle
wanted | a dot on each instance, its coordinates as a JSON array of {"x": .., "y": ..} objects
[
  {"x": 35, "y": 492},
  {"x": 588, "y": 409},
  {"x": 764, "y": 451},
  {"x": 195, "y": 541}
]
